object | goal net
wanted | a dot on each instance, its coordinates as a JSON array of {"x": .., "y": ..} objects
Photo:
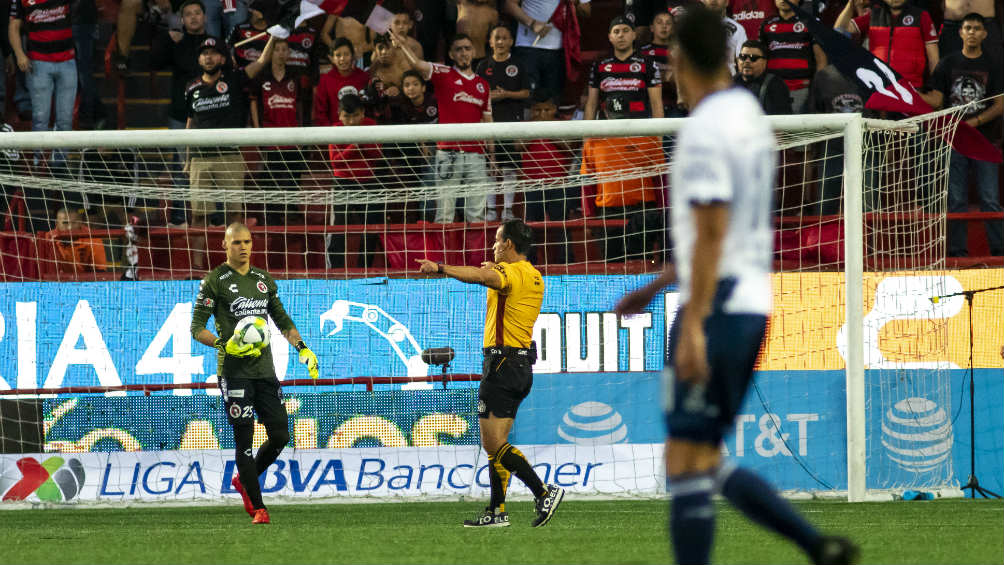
[{"x": 104, "y": 395}]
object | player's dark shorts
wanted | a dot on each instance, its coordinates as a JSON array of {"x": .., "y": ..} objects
[
  {"x": 506, "y": 379},
  {"x": 705, "y": 413},
  {"x": 242, "y": 398}
]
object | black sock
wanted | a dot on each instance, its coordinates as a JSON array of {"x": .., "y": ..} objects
[
  {"x": 760, "y": 502},
  {"x": 513, "y": 460},
  {"x": 278, "y": 437},
  {"x": 243, "y": 434},
  {"x": 498, "y": 476},
  {"x": 691, "y": 518}
]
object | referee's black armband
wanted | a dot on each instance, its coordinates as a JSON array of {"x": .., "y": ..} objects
[{"x": 300, "y": 346}]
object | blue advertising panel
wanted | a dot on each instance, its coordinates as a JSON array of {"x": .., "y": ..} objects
[
  {"x": 89, "y": 334},
  {"x": 791, "y": 428},
  {"x": 596, "y": 382}
]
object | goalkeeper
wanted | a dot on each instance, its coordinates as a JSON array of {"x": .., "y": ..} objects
[{"x": 247, "y": 378}]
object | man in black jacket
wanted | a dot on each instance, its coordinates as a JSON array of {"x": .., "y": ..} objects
[
  {"x": 178, "y": 51},
  {"x": 771, "y": 91}
]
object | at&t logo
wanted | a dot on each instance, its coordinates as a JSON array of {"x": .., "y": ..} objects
[
  {"x": 592, "y": 423},
  {"x": 917, "y": 434}
]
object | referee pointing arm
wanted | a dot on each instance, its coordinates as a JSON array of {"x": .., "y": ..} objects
[{"x": 515, "y": 292}]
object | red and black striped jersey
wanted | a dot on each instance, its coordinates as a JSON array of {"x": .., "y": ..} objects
[
  {"x": 789, "y": 51},
  {"x": 249, "y": 52},
  {"x": 404, "y": 111},
  {"x": 658, "y": 53},
  {"x": 624, "y": 84},
  {"x": 302, "y": 44},
  {"x": 48, "y": 26},
  {"x": 660, "y": 58}
]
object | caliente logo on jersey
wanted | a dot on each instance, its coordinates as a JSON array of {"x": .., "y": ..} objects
[
  {"x": 592, "y": 423},
  {"x": 917, "y": 434}
]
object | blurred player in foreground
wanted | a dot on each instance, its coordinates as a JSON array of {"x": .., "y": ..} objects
[
  {"x": 515, "y": 293},
  {"x": 723, "y": 178},
  {"x": 230, "y": 292}
]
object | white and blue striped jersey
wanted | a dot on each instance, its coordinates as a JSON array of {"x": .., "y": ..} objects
[{"x": 726, "y": 152}]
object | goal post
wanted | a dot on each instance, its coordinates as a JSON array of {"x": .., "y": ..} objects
[
  {"x": 854, "y": 272},
  {"x": 852, "y": 387}
]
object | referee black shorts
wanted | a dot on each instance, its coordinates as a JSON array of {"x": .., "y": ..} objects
[
  {"x": 243, "y": 398},
  {"x": 705, "y": 413},
  {"x": 506, "y": 379}
]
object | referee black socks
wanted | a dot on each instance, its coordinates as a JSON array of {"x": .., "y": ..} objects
[
  {"x": 498, "y": 477},
  {"x": 513, "y": 460}
]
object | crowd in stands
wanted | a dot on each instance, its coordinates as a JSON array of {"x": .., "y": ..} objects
[{"x": 468, "y": 61}]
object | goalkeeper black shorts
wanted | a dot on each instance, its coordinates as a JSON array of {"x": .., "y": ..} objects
[
  {"x": 243, "y": 398},
  {"x": 506, "y": 379}
]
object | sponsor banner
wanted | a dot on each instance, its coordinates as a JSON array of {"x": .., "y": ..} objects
[
  {"x": 583, "y": 409},
  {"x": 904, "y": 329},
  {"x": 205, "y": 475},
  {"x": 791, "y": 426},
  {"x": 85, "y": 334}
]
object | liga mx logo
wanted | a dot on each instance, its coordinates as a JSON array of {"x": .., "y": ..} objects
[
  {"x": 592, "y": 423},
  {"x": 51, "y": 480},
  {"x": 917, "y": 434}
]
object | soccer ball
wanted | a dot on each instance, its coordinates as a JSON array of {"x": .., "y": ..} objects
[{"x": 252, "y": 330}]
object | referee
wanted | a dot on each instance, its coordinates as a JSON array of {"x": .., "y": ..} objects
[
  {"x": 230, "y": 292},
  {"x": 515, "y": 292}
]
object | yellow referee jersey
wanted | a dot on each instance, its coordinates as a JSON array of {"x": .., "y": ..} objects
[{"x": 513, "y": 311}]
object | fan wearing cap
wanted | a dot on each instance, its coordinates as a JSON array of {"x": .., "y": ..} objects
[
  {"x": 624, "y": 84},
  {"x": 216, "y": 99}
]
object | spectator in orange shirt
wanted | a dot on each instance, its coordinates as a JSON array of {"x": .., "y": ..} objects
[
  {"x": 75, "y": 253},
  {"x": 354, "y": 169},
  {"x": 632, "y": 200}
]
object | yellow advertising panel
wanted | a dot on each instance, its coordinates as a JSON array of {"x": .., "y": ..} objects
[{"x": 904, "y": 327}]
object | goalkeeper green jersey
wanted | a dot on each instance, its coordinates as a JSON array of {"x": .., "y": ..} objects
[{"x": 228, "y": 296}]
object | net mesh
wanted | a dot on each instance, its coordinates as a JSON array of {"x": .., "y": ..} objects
[{"x": 341, "y": 219}]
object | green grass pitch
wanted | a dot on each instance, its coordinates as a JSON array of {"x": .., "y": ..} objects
[{"x": 582, "y": 531}]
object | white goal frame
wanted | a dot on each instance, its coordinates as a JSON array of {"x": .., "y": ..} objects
[{"x": 850, "y": 127}]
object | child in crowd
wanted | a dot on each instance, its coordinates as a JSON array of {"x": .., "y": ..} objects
[
  {"x": 413, "y": 161},
  {"x": 547, "y": 160},
  {"x": 385, "y": 79},
  {"x": 344, "y": 78},
  {"x": 354, "y": 167},
  {"x": 510, "y": 89}
]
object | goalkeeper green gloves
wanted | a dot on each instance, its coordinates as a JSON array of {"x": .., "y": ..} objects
[
  {"x": 308, "y": 358},
  {"x": 235, "y": 348}
]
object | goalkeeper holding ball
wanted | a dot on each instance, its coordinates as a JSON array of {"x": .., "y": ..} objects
[{"x": 230, "y": 292}]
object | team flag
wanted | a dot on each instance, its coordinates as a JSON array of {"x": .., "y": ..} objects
[{"x": 890, "y": 92}]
